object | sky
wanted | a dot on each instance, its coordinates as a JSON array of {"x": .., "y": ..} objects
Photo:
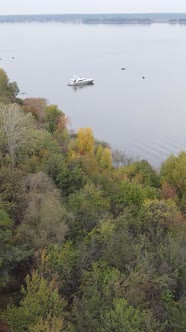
[{"x": 13, "y": 7}]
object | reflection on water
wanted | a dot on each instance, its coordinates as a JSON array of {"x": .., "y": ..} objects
[{"x": 80, "y": 87}]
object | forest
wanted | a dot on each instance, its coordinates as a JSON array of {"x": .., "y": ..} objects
[{"x": 90, "y": 239}]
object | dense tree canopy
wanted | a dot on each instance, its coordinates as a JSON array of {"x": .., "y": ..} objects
[{"x": 90, "y": 239}]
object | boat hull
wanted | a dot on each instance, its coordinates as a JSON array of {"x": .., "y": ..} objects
[{"x": 85, "y": 82}]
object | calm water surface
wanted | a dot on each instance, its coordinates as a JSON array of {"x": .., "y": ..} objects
[{"x": 142, "y": 117}]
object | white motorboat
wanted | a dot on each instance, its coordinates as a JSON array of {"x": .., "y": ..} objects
[{"x": 75, "y": 81}]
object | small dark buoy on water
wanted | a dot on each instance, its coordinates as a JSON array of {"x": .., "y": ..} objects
[
  {"x": 13, "y": 57},
  {"x": 143, "y": 77},
  {"x": 122, "y": 68}
]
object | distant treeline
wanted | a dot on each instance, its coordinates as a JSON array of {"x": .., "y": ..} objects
[{"x": 147, "y": 18}]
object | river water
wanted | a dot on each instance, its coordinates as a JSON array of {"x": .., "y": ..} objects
[{"x": 144, "y": 117}]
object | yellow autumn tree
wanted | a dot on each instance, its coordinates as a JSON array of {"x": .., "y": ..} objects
[
  {"x": 104, "y": 156},
  {"x": 85, "y": 141}
]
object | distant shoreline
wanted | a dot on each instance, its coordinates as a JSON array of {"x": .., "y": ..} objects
[{"x": 148, "y": 18}]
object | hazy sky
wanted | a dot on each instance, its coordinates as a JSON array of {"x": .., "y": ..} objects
[{"x": 90, "y": 6}]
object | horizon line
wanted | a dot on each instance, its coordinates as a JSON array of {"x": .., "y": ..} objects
[{"x": 133, "y": 13}]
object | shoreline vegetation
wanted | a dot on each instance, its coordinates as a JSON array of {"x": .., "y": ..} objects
[
  {"x": 89, "y": 240},
  {"x": 149, "y": 18}
]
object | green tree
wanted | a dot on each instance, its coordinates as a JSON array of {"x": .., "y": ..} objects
[
  {"x": 99, "y": 285},
  {"x": 55, "y": 165},
  {"x": 101, "y": 305},
  {"x": 37, "y": 155},
  {"x": 40, "y": 301},
  {"x": 71, "y": 178},
  {"x": 173, "y": 171},
  {"x": 63, "y": 260},
  {"x": 53, "y": 117},
  {"x": 52, "y": 324},
  {"x": 143, "y": 172},
  {"x": 123, "y": 318},
  {"x": 88, "y": 205},
  {"x": 157, "y": 217},
  {"x": 10, "y": 255},
  {"x": 132, "y": 193},
  {"x": 8, "y": 91},
  {"x": 49, "y": 324},
  {"x": 10, "y": 188}
]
